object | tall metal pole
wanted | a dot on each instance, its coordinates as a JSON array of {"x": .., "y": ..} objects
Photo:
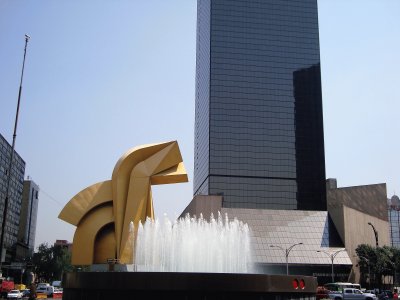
[
  {"x": 6, "y": 200},
  {"x": 287, "y": 263},
  {"x": 369, "y": 270},
  {"x": 287, "y": 251},
  {"x": 369, "y": 274},
  {"x": 394, "y": 272},
  {"x": 287, "y": 256},
  {"x": 332, "y": 257},
  {"x": 375, "y": 233}
]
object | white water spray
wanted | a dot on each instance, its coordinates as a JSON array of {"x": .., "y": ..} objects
[{"x": 193, "y": 245}]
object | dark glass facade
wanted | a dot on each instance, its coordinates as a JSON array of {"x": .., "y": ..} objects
[
  {"x": 394, "y": 221},
  {"x": 15, "y": 195},
  {"x": 259, "y": 128}
]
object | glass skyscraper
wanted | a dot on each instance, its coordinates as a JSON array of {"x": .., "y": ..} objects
[
  {"x": 258, "y": 121},
  {"x": 394, "y": 220}
]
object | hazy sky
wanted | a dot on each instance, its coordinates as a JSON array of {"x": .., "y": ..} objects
[{"x": 104, "y": 76}]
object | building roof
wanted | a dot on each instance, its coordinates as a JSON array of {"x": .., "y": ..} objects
[{"x": 284, "y": 228}]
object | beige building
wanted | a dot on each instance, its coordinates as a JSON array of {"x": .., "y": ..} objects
[{"x": 357, "y": 213}]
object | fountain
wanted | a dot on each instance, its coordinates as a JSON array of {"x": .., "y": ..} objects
[
  {"x": 193, "y": 245},
  {"x": 190, "y": 258}
]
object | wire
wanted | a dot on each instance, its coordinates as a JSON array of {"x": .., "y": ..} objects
[{"x": 51, "y": 197}]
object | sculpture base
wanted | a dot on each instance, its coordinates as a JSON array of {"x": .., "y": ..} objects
[
  {"x": 168, "y": 285},
  {"x": 112, "y": 268}
]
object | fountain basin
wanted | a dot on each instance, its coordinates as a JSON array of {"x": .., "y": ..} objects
[{"x": 174, "y": 285}]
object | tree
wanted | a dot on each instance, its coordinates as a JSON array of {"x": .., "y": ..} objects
[
  {"x": 382, "y": 261},
  {"x": 396, "y": 261},
  {"x": 50, "y": 262},
  {"x": 367, "y": 259},
  {"x": 384, "y": 265}
]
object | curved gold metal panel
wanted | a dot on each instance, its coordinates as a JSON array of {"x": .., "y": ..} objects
[
  {"x": 85, "y": 200},
  {"x": 121, "y": 178},
  {"x": 126, "y": 198},
  {"x": 86, "y": 232},
  {"x": 105, "y": 245},
  {"x": 139, "y": 187}
]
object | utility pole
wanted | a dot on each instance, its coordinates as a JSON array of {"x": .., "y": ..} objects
[{"x": 6, "y": 200}]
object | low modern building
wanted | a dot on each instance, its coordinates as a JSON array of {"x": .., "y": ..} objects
[
  {"x": 327, "y": 237},
  {"x": 274, "y": 231},
  {"x": 64, "y": 244},
  {"x": 360, "y": 216}
]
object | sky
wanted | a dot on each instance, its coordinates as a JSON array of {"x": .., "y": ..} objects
[{"x": 103, "y": 76}]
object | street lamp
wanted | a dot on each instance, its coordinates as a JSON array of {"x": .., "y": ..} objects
[
  {"x": 287, "y": 251},
  {"x": 375, "y": 233},
  {"x": 369, "y": 269},
  {"x": 394, "y": 271},
  {"x": 332, "y": 257}
]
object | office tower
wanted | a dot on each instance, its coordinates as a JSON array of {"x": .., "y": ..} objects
[
  {"x": 15, "y": 196},
  {"x": 28, "y": 218},
  {"x": 394, "y": 220},
  {"x": 258, "y": 121}
]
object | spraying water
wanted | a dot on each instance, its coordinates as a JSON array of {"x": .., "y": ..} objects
[{"x": 193, "y": 245}]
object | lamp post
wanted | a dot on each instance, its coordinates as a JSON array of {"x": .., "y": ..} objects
[
  {"x": 287, "y": 251},
  {"x": 375, "y": 233},
  {"x": 332, "y": 257},
  {"x": 394, "y": 272},
  {"x": 5, "y": 212},
  {"x": 369, "y": 269}
]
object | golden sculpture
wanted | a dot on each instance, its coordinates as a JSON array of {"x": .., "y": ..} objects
[{"x": 103, "y": 211}]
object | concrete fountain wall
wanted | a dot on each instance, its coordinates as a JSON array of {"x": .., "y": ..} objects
[{"x": 172, "y": 285}]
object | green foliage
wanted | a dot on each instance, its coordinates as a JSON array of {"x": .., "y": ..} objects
[
  {"x": 379, "y": 261},
  {"x": 50, "y": 262}
]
